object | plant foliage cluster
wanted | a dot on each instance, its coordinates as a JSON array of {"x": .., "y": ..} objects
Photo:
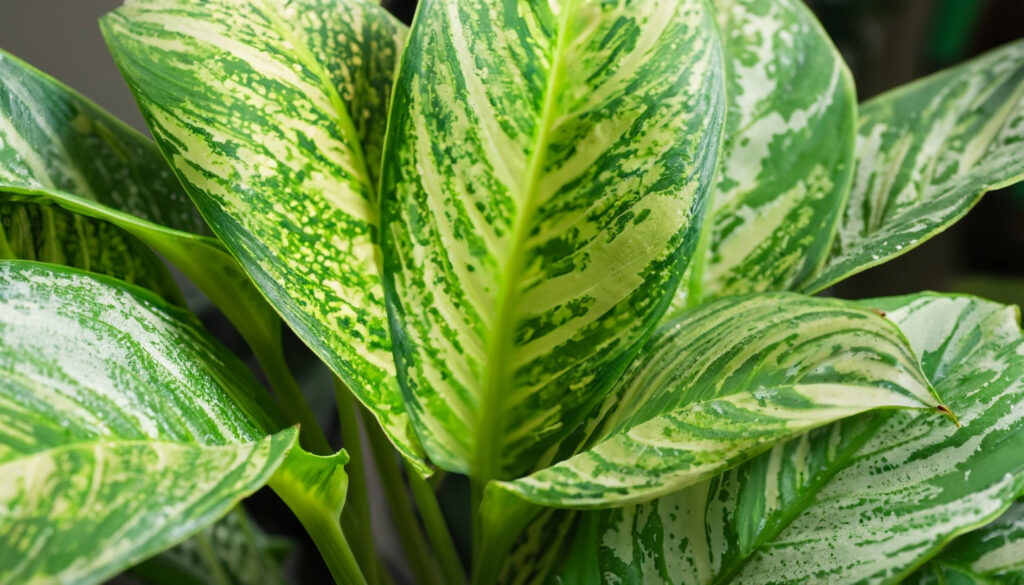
[{"x": 568, "y": 249}]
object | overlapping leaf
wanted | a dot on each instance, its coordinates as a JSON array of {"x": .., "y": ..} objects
[
  {"x": 272, "y": 113},
  {"x": 124, "y": 428},
  {"x": 926, "y": 153},
  {"x": 787, "y": 157},
  {"x": 862, "y": 501},
  {"x": 545, "y": 173},
  {"x": 723, "y": 383},
  {"x": 52, "y": 139},
  {"x": 58, "y": 147},
  {"x": 48, "y": 233},
  {"x": 990, "y": 555}
]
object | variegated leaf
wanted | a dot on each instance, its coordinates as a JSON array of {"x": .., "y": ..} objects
[
  {"x": 58, "y": 147},
  {"x": 991, "y": 555},
  {"x": 48, "y": 233},
  {"x": 53, "y": 139},
  {"x": 272, "y": 114},
  {"x": 124, "y": 427},
  {"x": 725, "y": 382},
  {"x": 926, "y": 153},
  {"x": 787, "y": 157},
  {"x": 234, "y": 551},
  {"x": 863, "y": 501},
  {"x": 538, "y": 549},
  {"x": 545, "y": 173}
]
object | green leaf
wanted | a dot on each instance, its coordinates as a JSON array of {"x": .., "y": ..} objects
[
  {"x": 271, "y": 114},
  {"x": 315, "y": 488},
  {"x": 124, "y": 428},
  {"x": 993, "y": 554},
  {"x": 725, "y": 382},
  {"x": 942, "y": 575},
  {"x": 865, "y": 500},
  {"x": 926, "y": 153},
  {"x": 58, "y": 147},
  {"x": 48, "y": 233},
  {"x": 233, "y": 551},
  {"x": 545, "y": 175},
  {"x": 538, "y": 549},
  {"x": 53, "y": 139},
  {"x": 787, "y": 158}
]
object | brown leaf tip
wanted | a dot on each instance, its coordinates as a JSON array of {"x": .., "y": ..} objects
[{"x": 946, "y": 411}]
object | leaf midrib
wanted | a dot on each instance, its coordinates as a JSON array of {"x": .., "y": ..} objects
[
  {"x": 488, "y": 457},
  {"x": 306, "y": 57}
]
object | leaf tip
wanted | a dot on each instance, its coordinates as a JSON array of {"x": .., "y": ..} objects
[{"x": 949, "y": 413}]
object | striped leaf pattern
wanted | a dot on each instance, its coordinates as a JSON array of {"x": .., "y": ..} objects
[
  {"x": 48, "y": 233},
  {"x": 57, "y": 147},
  {"x": 787, "y": 157},
  {"x": 53, "y": 139},
  {"x": 991, "y": 555},
  {"x": 124, "y": 428},
  {"x": 926, "y": 153},
  {"x": 726, "y": 381},
  {"x": 863, "y": 501},
  {"x": 538, "y": 548},
  {"x": 545, "y": 175},
  {"x": 271, "y": 114}
]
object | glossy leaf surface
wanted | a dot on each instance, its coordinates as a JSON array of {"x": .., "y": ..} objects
[
  {"x": 53, "y": 139},
  {"x": 723, "y": 383},
  {"x": 787, "y": 157},
  {"x": 926, "y": 153},
  {"x": 990, "y": 555},
  {"x": 545, "y": 173},
  {"x": 58, "y": 147},
  {"x": 124, "y": 428},
  {"x": 272, "y": 115},
  {"x": 863, "y": 501}
]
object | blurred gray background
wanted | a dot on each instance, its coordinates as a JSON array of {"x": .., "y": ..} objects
[{"x": 61, "y": 38}]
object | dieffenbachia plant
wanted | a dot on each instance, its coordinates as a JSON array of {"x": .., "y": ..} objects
[{"x": 567, "y": 249}]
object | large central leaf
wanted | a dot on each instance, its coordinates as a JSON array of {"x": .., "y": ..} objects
[
  {"x": 272, "y": 115},
  {"x": 544, "y": 176},
  {"x": 124, "y": 428}
]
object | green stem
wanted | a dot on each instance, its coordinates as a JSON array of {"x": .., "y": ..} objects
[
  {"x": 476, "y": 497},
  {"x": 289, "y": 395},
  {"x": 424, "y": 569},
  {"x": 501, "y": 522},
  {"x": 437, "y": 530},
  {"x": 358, "y": 504},
  {"x": 325, "y": 532}
]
